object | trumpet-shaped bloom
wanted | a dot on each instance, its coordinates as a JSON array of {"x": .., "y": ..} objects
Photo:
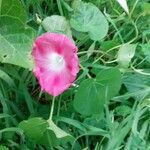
[{"x": 56, "y": 62}]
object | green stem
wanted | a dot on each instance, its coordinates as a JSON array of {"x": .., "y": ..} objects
[
  {"x": 133, "y": 8},
  {"x": 83, "y": 68},
  {"x": 52, "y": 108}
]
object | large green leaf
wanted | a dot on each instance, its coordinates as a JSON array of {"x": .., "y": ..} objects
[
  {"x": 15, "y": 42},
  {"x": 13, "y": 8},
  {"x": 88, "y": 98},
  {"x": 111, "y": 80},
  {"x": 56, "y": 24},
  {"x": 88, "y": 18},
  {"x": 44, "y": 132},
  {"x": 34, "y": 127},
  {"x": 94, "y": 93}
]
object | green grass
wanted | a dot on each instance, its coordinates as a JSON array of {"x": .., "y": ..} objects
[{"x": 125, "y": 121}]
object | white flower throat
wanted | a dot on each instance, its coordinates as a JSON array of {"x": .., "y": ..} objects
[{"x": 56, "y": 62}]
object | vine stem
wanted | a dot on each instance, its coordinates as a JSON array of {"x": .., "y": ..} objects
[{"x": 52, "y": 108}]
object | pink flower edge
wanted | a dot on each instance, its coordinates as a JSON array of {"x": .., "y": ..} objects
[{"x": 56, "y": 62}]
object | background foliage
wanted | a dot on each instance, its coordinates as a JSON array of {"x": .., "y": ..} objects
[{"x": 108, "y": 108}]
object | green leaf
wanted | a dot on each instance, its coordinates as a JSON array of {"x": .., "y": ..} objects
[
  {"x": 94, "y": 93},
  {"x": 3, "y": 147},
  {"x": 106, "y": 45},
  {"x": 87, "y": 99},
  {"x": 15, "y": 42},
  {"x": 123, "y": 110},
  {"x": 145, "y": 8},
  {"x": 55, "y": 135},
  {"x": 125, "y": 54},
  {"x": 90, "y": 50},
  {"x": 13, "y": 8},
  {"x": 138, "y": 85},
  {"x": 111, "y": 80},
  {"x": 44, "y": 132},
  {"x": 4, "y": 76},
  {"x": 146, "y": 102},
  {"x": 88, "y": 18},
  {"x": 34, "y": 127},
  {"x": 146, "y": 50},
  {"x": 57, "y": 24}
]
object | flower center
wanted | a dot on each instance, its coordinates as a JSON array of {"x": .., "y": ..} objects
[{"x": 56, "y": 62}]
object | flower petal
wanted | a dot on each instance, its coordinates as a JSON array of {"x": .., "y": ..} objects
[{"x": 45, "y": 46}]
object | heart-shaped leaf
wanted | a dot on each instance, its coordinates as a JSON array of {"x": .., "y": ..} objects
[
  {"x": 16, "y": 42},
  {"x": 44, "y": 132},
  {"x": 57, "y": 24},
  {"x": 88, "y": 18},
  {"x": 94, "y": 93},
  {"x": 13, "y": 8}
]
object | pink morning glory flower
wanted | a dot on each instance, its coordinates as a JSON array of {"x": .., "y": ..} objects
[{"x": 56, "y": 62}]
